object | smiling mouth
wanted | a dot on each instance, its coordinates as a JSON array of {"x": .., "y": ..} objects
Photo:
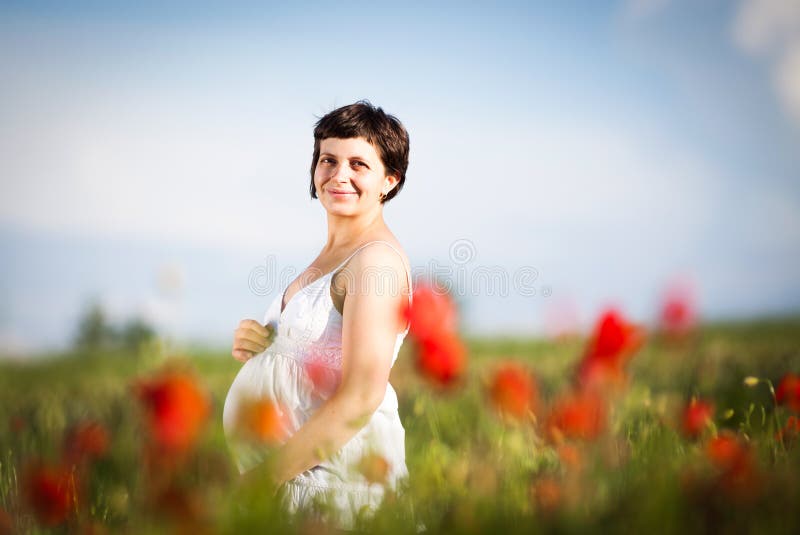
[{"x": 341, "y": 192}]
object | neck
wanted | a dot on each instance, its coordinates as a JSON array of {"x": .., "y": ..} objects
[{"x": 346, "y": 231}]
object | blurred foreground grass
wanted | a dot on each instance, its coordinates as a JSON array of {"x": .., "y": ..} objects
[{"x": 470, "y": 470}]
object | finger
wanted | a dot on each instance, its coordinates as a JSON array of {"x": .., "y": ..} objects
[
  {"x": 255, "y": 326},
  {"x": 251, "y": 337},
  {"x": 249, "y": 345},
  {"x": 242, "y": 356}
]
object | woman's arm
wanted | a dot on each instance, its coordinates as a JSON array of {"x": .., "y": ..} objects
[{"x": 375, "y": 283}]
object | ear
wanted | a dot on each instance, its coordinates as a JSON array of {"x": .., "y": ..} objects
[{"x": 390, "y": 182}]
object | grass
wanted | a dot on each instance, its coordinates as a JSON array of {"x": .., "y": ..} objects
[{"x": 471, "y": 471}]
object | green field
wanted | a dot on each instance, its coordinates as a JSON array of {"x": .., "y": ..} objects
[{"x": 470, "y": 470}]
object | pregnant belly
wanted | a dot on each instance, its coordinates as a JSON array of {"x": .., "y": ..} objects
[{"x": 297, "y": 388}]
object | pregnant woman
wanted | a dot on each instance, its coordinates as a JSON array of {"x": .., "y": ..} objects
[{"x": 327, "y": 344}]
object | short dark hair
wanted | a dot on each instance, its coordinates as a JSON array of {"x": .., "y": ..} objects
[{"x": 361, "y": 119}]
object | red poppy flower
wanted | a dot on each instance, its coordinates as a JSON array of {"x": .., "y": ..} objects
[
  {"x": 579, "y": 415},
  {"x": 513, "y": 391},
  {"x": 263, "y": 420},
  {"x": 88, "y": 440},
  {"x": 737, "y": 471},
  {"x": 788, "y": 392},
  {"x": 696, "y": 417},
  {"x": 790, "y": 431},
  {"x": 324, "y": 380},
  {"x": 176, "y": 409},
  {"x": 374, "y": 467},
  {"x": 678, "y": 314},
  {"x": 614, "y": 338},
  {"x": 726, "y": 450},
  {"x": 612, "y": 344},
  {"x": 49, "y": 491},
  {"x": 441, "y": 359},
  {"x": 431, "y": 313}
]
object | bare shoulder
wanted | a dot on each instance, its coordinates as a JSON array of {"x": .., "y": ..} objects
[
  {"x": 381, "y": 253},
  {"x": 377, "y": 263}
]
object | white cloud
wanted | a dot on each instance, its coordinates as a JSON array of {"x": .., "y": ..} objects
[
  {"x": 154, "y": 173},
  {"x": 599, "y": 174},
  {"x": 763, "y": 24},
  {"x": 771, "y": 28},
  {"x": 787, "y": 80}
]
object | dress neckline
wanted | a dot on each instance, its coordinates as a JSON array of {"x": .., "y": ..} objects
[{"x": 285, "y": 304}]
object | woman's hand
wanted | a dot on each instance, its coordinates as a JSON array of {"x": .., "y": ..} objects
[{"x": 250, "y": 339}]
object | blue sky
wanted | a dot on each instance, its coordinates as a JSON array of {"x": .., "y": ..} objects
[{"x": 612, "y": 148}]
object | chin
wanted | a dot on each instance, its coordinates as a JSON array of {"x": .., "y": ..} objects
[{"x": 340, "y": 210}]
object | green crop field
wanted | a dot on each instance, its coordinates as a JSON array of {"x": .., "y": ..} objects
[{"x": 471, "y": 469}]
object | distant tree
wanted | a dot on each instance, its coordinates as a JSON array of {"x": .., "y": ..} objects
[
  {"x": 134, "y": 333},
  {"x": 94, "y": 332}
]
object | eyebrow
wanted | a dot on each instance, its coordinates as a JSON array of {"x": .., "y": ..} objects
[{"x": 356, "y": 157}]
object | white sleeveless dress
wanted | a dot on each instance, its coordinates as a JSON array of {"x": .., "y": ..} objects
[{"x": 300, "y": 370}]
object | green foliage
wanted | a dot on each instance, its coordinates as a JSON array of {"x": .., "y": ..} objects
[
  {"x": 96, "y": 334},
  {"x": 470, "y": 471}
]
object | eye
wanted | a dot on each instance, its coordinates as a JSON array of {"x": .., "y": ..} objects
[
  {"x": 326, "y": 160},
  {"x": 359, "y": 163}
]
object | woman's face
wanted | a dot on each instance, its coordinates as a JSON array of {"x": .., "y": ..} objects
[{"x": 350, "y": 176}]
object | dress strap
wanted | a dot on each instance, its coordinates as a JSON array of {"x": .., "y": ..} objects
[{"x": 408, "y": 273}]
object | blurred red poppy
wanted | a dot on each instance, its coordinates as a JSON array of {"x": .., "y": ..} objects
[
  {"x": 726, "y": 450},
  {"x": 185, "y": 507},
  {"x": 263, "y": 420},
  {"x": 614, "y": 338},
  {"x": 85, "y": 441},
  {"x": 441, "y": 359},
  {"x": 601, "y": 374},
  {"x": 49, "y": 491},
  {"x": 696, "y": 417},
  {"x": 580, "y": 415},
  {"x": 678, "y": 315},
  {"x": 737, "y": 471},
  {"x": 570, "y": 456},
  {"x": 513, "y": 391},
  {"x": 790, "y": 431},
  {"x": 613, "y": 343},
  {"x": 6, "y": 523},
  {"x": 431, "y": 313},
  {"x": 561, "y": 320},
  {"x": 788, "y": 392},
  {"x": 374, "y": 468},
  {"x": 325, "y": 380},
  {"x": 547, "y": 494},
  {"x": 16, "y": 424},
  {"x": 176, "y": 409}
]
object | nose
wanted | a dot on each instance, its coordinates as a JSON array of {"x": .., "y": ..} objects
[{"x": 341, "y": 174}]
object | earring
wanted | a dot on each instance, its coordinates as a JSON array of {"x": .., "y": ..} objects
[{"x": 383, "y": 196}]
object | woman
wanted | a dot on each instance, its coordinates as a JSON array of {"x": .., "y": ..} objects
[{"x": 335, "y": 331}]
